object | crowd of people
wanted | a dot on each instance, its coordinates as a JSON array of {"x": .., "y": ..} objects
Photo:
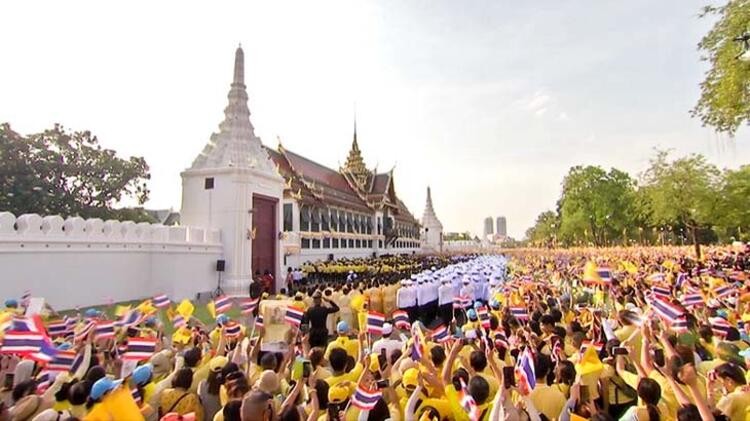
[{"x": 643, "y": 334}]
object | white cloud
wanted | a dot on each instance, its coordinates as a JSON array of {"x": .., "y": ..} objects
[
  {"x": 538, "y": 101},
  {"x": 563, "y": 116},
  {"x": 540, "y": 112}
]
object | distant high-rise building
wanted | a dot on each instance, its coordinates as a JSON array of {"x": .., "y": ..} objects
[
  {"x": 488, "y": 226},
  {"x": 501, "y": 227}
]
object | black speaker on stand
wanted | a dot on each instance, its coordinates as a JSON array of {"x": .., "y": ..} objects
[{"x": 220, "y": 264}]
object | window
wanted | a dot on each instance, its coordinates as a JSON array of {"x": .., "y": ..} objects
[
  {"x": 351, "y": 244},
  {"x": 342, "y": 221},
  {"x": 368, "y": 225},
  {"x": 315, "y": 220},
  {"x": 369, "y": 244},
  {"x": 288, "y": 217},
  {"x": 380, "y": 226},
  {"x": 316, "y": 243},
  {"x": 326, "y": 243},
  {"x": 356, "y": 224},
  {"x": 208, "y": 183},
  {"x": 349, "y": 222},
  {"x": 334, "y": 220},
  {"x": 380, "y": 244},
  {"x": 305, "y": 243},
  {"x": 304, "y": 218},
  {"x": 357, "y": 244},
  {"x": 335, "y": 243},
  {"x": 325, "y": 218}
]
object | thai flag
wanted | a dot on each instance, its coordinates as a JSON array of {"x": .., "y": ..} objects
[
  {"x": 105, "y": 330},
  {"x": 161, "y": 301},
  {"x": 661, "y": 292},
  {"x": 375, "y": 322},
  {"x": 222, "y": 304},
  {"x": 693, "y": 300},
  {"x": 43, "y": 381},
  {"x": 233, "y": 330},
  {"x": 259, "y": 321},
  {"x": 440, "y": 334},
  {"x": 21, "y": 342},
  {"x": 633, "y": 318},
  {"x": 366, "y": 400},
  {"x": 525, "y": 372},
  {"x": 27, "y": 324},
  {"x": 25, "y": 298},
  {"x": 248, "y": 305},
  {"x": 719, "y": 326},
  {"x": 401, "y": 320},
  {"x": 605, "y": 274},
  {"x": 84, "y": 331},
  {"x": 656, "y": 278},
  {"x": 468, "y": 403},
  {"x": 680, "y": 281},
  {"x": 672, "y": 315},
  {"x": 76, "y": 363},
  {"x": 484, "y": 316},
  {"x": 501, "y": 340},
  {"x": 58, "y": 328},
  {"x": 129, "y": 319},
  {"x": 63, "y": 361},
  {"x": 139, "y": 349},
  {"x": 179, "y": 322},
  {"x": 519, "y": 313},
  {"x": 597, "y": 345},
  {"x": 46, "y": 353},
  {"x": 461, "y": 301},
  {"x": 416, "y": 348},
  {"x": 725, "y": 291},
  {"x": 137, "y": 397},
  {"x": 294, "y": 316}
]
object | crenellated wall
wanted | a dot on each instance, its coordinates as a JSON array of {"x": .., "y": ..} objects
[{"x": 79, "y": 262}]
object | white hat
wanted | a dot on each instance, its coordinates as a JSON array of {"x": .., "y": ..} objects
[{"x": 387, "y": 328}]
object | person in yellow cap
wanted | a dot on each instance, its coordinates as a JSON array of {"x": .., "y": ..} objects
[{"x": 351, "y": 346}]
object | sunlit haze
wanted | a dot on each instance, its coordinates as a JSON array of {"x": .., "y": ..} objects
[{"x": 487, "y": 102}]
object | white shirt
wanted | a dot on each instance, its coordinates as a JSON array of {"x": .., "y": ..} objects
[
  {"x": 388, "y": 344},
  {"x": 445, "y": 294},
  {"x": 406, "y": 297},
  {"x": 423, "y": 294}
]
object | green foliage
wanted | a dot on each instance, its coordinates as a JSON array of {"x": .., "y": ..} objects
[
  {"x": 724, "y": 103},
  {"x": 59, "y": 172},
  {"x": 677, "y": 201},
  {"x": 733, "y": 210}
]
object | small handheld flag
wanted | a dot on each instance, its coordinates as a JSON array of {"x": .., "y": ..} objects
[
  {"x": 525, "y": 372},
  {"x": 366, "y": 400},
  {"x": 484, "y": 317},
  {"x": 63, "y": 361},
  {"x": 693, "y": 300},
  {"x": 248, "y": 305},
  {"x": 222, "y": 304},
  {"x": 440, "y": 334},
  {"x": 179, "y": 322},
  {"x": 401, "y": 320},
  {"x": 161, "y": 301},
  {"x": 294, "y": 316},
  {"x": 104, "y": 330},
  {"x": 233, "y": 330},
  {"x": 139, "y": 349},
  {"x": 519, "y": 313},
  {"x": 16, "y": 342},
  {"x": 375, "y": 322},
  {"x": 259, "y": 321}
]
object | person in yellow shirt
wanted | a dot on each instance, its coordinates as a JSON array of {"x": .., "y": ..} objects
[
  {"x": 548, "y": 400},
  {"x": 736, "y": 399},
  {"x": 338, "y": 359},
  {"x": 351, "y": 346}
]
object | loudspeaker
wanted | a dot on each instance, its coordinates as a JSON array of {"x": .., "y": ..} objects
[{"x": 220, "y": 265}]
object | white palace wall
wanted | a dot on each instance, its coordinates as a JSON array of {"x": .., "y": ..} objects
[{"x": 81, "y": 262}]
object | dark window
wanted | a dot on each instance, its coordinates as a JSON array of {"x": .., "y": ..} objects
[
  {"x": 305, "y": 243},
  {"x": 380, "y": 226},
  {"x": 316, "y": 243},
  {"x": 326, "y": 243},
  {"x": 288, "y": 217},
  {"x": 315, "y": 220},
  {"x": 208, "y": 183},
  {"x": 356, "y": 224},
  {"x": 369, "y": 244},
  {"x": 335, "y": 243},
  {"x": 357, "y": 244},
  {"x": 334, "y": 220},
  {"x": 342, "y": 221},
  {"x": 351, "y": 244},
  {"x": 325, "y": 218},
  {"x": 349, "y": 222},
  {"x": 304, "y": 218},
  {"x": 369, "y": 225},
  {"x": 380, "y": 244}
]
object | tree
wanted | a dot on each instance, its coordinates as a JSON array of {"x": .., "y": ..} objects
[
  {"x": 544, "y": 230},
  {"x": 59, "y": 172},
  {"x": 724, "y": 103},
  {"x": 596, "y": 203},
  {"x": 733, "y": 212},
  {"x": 682, "y": 192}
]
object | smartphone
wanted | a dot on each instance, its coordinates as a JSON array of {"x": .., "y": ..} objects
[
  {"x": 659, "y": 357},
  {"x": 509, "y": 377},
  {"x": 306, "y": 369},
  {"x": 382, "y": 384},
  {"x": 585, "y": 395},
  {"x": 619, "y": 350},
  {"x": 297, "y": 369}
]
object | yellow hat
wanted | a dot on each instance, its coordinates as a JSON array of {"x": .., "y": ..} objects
[
  {"x": 217, "y": 363},
  {"x": 410, "y": 378},
  {"x": 338, "y": 393},
  {"x": 182, "y": 336},
  {"x": 374, "y": 363},
  {"x": 590, "y": 363}
]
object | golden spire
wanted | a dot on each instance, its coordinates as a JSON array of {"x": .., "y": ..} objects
[{"x": 354, "y": 164}]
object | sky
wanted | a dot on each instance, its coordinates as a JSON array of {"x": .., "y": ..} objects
[{"x": 487, "y": 102}]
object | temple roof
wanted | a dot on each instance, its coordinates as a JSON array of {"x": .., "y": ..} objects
[
  {"x": 429, "y": 219},
  {"x": 235, "y": 145}
]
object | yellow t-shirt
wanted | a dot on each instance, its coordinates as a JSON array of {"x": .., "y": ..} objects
[
  {"x": 351, "y": 346},
  {"x": 735, "y": 405},
  {"x": 548, "y": 400},
  {"x": 351, "y": 376}
]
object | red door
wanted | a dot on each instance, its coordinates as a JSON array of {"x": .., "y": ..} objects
[{"x": 264, "y": 241}]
